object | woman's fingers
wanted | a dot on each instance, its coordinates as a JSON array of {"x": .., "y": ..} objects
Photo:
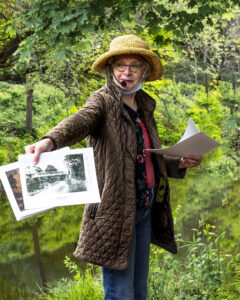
[
  {"x": 36, "y": 155},
  {"x": 192, "y": 161},
  {"x": 30, "y": 149},
  {"x": 44, "y": 145},
  {"x": 195, "y": 158}
]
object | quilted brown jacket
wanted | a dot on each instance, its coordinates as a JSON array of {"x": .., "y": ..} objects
[{"x": 107, "y": 227}]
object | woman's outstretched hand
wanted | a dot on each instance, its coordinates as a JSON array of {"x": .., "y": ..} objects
[
  {"x": 192, "y": 161},
  {"x": 44, "y": 145}
]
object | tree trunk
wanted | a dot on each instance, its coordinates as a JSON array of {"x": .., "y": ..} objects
[
  {"x": 38, "y": 257},
  {"x": 29, "y": 105},
  {"x": 205, "y": 68},
  {"x": 238, "y": 81},
  {"x": 195, "y": 60},
  {"x": 233, "y": 83},
  {"x": 206, "y": 82},
  {"x": 195, "y": 69}
]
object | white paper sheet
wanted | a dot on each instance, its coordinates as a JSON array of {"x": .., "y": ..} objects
[
  {"x": 59, "y": 178},
  {"x": 10, "y": 177},
  {"x": 193, "y": 142},
  {"x": 190, "y": 130}
]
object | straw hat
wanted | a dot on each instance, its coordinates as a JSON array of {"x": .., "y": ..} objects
[{"x": 131, "y": 44}]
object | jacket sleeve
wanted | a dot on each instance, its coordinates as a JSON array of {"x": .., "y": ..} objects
[
  {"x": 79, "y": 125},
  {"x": 173, "y": 170}
]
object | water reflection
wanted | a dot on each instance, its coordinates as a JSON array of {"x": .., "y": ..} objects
[{"x": 22, "y": 279}]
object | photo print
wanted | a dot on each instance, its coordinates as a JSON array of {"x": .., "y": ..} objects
[
  {"x": 10, "y": 177},
  {"x": 60, "y": 178}
]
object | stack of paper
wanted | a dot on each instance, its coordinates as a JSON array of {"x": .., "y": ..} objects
[
  {"x": 193, "y": 142},
  {"x": 61, "y": 177}
]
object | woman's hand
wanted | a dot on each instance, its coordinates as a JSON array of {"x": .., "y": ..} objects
[
  {"x": 44, "y": 145},
  {"x": 192, "y": 161}
]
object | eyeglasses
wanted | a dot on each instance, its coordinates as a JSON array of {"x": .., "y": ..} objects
[{"x": 122, "y": 67}]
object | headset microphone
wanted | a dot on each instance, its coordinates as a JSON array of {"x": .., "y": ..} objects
[{"x": 123, "y": 83}]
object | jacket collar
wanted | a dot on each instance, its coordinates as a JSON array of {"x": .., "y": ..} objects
[
  {"x": 114, "y": 89},
  {"x": 145, "y": 102}
]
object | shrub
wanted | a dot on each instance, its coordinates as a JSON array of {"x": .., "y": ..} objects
[
  {"x": 203, "y": 272},
  {"x": 85, "y": 285},
  {"x": 3, "y": 157}
]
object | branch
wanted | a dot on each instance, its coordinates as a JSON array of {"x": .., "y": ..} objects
[
  {"x": 175, "y": 100},
  {"x": 165, "y": 105},
  {"x": 17, "y": 77},
  {"x": 3, "y": 40},
  {"x": 13, "y": 78},
  {"x": 8, "y": 6},
  {"x": 10, "y": 47},
  {"x": 3, "y": 16}
]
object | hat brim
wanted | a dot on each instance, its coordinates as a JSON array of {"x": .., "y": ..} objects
[{"x": 152, "y": 58}]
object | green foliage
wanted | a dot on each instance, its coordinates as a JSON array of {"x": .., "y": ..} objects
[
  {"x": 3, "y": 157},
  {"x": 12, "y": 99},
  {"x": 208, "y": 189},
  {"x": 230, "y": 223},
  {"x": 86, "y": 284},
  {"x": 67, "y": 220},
  {"x": 64, "y": 80},
  {"x": 72, "y": 23},
  {"x": 202, "y": 272},
  {"x": 48, "y": 110},
  {"x": 56, "y": 228},
  {"x": 177, "y": 102},
  {"x": 48, "y": 104}
]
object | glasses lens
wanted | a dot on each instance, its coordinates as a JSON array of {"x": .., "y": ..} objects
[
  {"x": 135, "y": 68},
  {"x": 122, "y": 67}
]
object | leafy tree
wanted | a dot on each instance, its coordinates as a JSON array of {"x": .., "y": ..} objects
[
  {"x": 67, "y": 23},
  {"x": 211, "y": 55},
  {"x": 12, "y": 33},
  {"x": 215, "y": 50}
]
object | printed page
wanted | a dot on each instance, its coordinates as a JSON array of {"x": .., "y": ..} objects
[
  {"x": 193, "y": 142},
  {"x": 10, "y": 177},
  {"x": 59, "y": 178}
]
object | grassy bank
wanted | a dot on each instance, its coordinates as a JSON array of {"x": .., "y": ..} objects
[{"x": 203, "y": 271}]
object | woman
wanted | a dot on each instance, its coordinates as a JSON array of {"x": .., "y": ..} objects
[{"x": 135, "y": 209}]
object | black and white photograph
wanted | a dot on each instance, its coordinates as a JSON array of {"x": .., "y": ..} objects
[
  {"x": 60, "y": 178},
  {"x": 10, "y": 177}
]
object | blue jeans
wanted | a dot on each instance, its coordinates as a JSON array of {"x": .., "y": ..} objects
[{"x": 131, "y": 283}]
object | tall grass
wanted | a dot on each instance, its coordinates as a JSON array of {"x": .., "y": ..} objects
[
  {"x": 203, "y": 272},
  {"x": 84, "y": 285}
]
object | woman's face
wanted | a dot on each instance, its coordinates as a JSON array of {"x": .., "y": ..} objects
[{"x": 128, "y": 68}]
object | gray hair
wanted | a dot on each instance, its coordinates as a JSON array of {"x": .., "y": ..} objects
[
  {"x": 146, "y": 70},
  {"x": 109, "y": 69}
]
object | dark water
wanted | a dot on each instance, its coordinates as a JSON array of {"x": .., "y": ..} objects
[{"x": 22, "y": 278}]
